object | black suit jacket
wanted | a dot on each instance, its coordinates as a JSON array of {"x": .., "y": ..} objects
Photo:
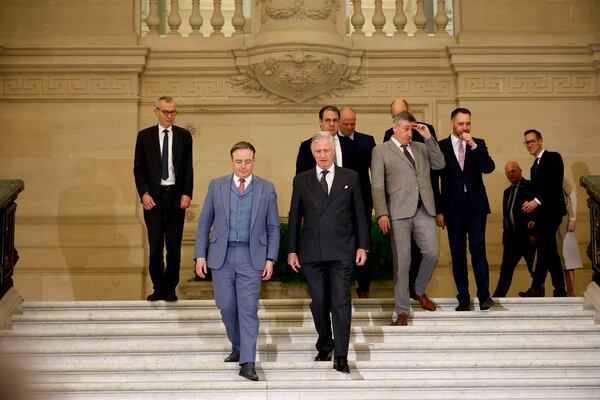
[
  {"x": 435, "y": 179},
  {"x": 521, "y": 219},
  {"x": 334, "y": 226},
  {"x": 547, "y": 185},
  {"x": 453, "y": 179},
  {"x": 306, "y": 161},
  {"x": 147, "y": 166},
  {"x": 360, "y": 162}
]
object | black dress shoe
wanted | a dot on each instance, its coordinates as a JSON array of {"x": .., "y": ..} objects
[
  {"x": 486, "y": 304},
  {"x": 171, "y": 297},
  {"x": 233, "y": 357},
  {"x": 531, "y": 292},
  {"x": 154, "y": 297},
  {"x": 341, "y": 364},
  {"x": 324, "y": 356},
  {"x": 463, "y": 307},
  {"x": 248, "y": 371}
]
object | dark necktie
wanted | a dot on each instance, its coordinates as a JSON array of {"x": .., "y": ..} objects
[
  {"x": 323, "y": 181},
  {"x": 241, "y": 188},
  {"x": 511, "y": 203},
  {"x": 408, "y": 155},
  {"x": 535, "y": 166},
  {"x": 165, "y": 156}
]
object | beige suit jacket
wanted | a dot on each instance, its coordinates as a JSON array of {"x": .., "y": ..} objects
[{"x": 396, "y": 185}]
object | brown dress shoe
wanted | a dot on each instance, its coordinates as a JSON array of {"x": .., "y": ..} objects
[
  {"x": 425, "y": 302},
  {"x": 402, "y": 320}
]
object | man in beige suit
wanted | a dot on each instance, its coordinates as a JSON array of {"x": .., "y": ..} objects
[{"x": 403, "y": 201}]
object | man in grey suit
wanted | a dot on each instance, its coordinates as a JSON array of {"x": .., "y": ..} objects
[
  {"x": 242, "y": 210},
  {"x": 335, "y": 236},
  {"x": 403, "y": 200}
]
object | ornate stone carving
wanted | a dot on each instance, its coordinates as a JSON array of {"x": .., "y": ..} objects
[
  {"x": 298, "y": 9},
  {"x": 528, "y": 85},
  {"x": 298, "y": 77},
  {"x": 84, "y": 86}
]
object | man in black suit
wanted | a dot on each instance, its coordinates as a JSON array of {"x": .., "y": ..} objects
[
  {"x": 547, "y": 174},
  {"x": 465, "y": 206},
  {"x": 517, "y": 228},
  {"x": 329, "y": 121},
  {"x": 164, "y": 179},
  {"x": 397, "y": 106},
  {"x": 327, "y": 201},
  {"x": 362, "y": 148}
]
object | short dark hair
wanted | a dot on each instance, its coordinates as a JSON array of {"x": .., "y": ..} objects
[
  {"x": 404, "y": 116},
  {"x": 241, "y": 146},
  {"x": 538, "y": 134},
  {"x": 459, "y": 110},
  {"x": 328, "y": 108}
]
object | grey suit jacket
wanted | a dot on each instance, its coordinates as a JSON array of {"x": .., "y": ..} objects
[
  {"x": 396, "y": 185},
  {"x": 264, "y": 223}
]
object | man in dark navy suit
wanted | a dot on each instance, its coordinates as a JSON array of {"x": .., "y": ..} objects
[
  {"x": 517, "y": 227},
  {"x": 465, "y": 207},
  {"x": 547, "y": 174},
  {"x": 362, "y": 148},
  {"x": 329, "y": 121}
]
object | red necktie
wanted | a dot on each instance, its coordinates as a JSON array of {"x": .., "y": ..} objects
[{"x": 241, "y": 188}]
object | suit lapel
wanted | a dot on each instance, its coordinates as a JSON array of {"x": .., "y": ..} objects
[
  {"x": 448, "y": 150},
  {"x": 256, "y": 196},
  {"x": 176, "y": 146},
  {"x": 225, "y": 190},
  {"x": 155, "y": 143},
  {"x": 398, "y": 152},
  {"x": 336, "y": 186}
]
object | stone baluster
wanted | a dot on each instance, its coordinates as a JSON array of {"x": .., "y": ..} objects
[
  {"x": 399, "y": 18},
  {"x": 441, "y": 18},
  {"x": 358, "y": 19},
  {"x": 196, "y": 19},
  {"x": 238, "y": 21},
  {"x": 174, "y": 19},
  {"x": 420, "y": 18},
  {"x": 153, "y": 20},
  {"x": 378, "y": 19},
  {"x": 217, "y": 21}
]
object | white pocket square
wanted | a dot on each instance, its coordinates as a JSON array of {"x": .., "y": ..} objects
[{"x": 346, "y": 187}]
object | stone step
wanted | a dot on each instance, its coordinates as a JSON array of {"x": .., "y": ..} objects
[
  {"x": 430, "y": 389},
  {"x": 215, "y": 334},
  {"x": 274, "y": 305},
  {"x": 311, "y": 370},
  {"x": 165, "y": 351},
  {"x": 191, "y": 319}
]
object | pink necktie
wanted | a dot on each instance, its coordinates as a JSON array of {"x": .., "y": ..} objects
[
  {"x": 461, "y": 154},
  {"x": 241, "y": 188}
]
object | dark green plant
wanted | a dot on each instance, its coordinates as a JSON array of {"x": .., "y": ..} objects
[{"x": 379, "y": 258}]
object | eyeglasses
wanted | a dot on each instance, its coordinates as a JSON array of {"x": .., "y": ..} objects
[
  {"x": 528, "y": 142},
  {"x": 166, "y": 113}
]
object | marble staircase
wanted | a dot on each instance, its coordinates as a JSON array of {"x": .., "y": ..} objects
[{"x": 540, "y": 348}]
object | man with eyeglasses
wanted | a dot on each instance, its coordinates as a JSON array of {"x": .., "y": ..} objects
[
  {"x": 547, "y": 174},
  {"x": 164, "y": 179}
]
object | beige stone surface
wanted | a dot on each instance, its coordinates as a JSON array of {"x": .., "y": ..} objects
[{"x": 78, "y": 80}]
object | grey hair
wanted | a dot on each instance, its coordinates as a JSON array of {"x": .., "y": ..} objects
[
  {"x": 404, "y": 116},
  {"x": 166, "y": 99},
  {"x": 320, "y": 137}
]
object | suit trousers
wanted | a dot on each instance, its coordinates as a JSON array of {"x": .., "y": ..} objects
[
  {"x": 363, "y": 274},
  {"x": 548, "y": 259},
  {"x": 422, "y": 227},
  {"x": 236, "y": 288},
  {"x": 516, "y": 246},
  {"x": 164, "y": 223},
  {"x": 461, "y": 226},
  {"x": 329, "y": 285}
]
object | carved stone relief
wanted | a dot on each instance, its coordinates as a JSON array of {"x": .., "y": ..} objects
[{"x": 299, "y": 76}]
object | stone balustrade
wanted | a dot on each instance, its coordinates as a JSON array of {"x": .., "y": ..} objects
[{"x": 230, "y": 18}]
